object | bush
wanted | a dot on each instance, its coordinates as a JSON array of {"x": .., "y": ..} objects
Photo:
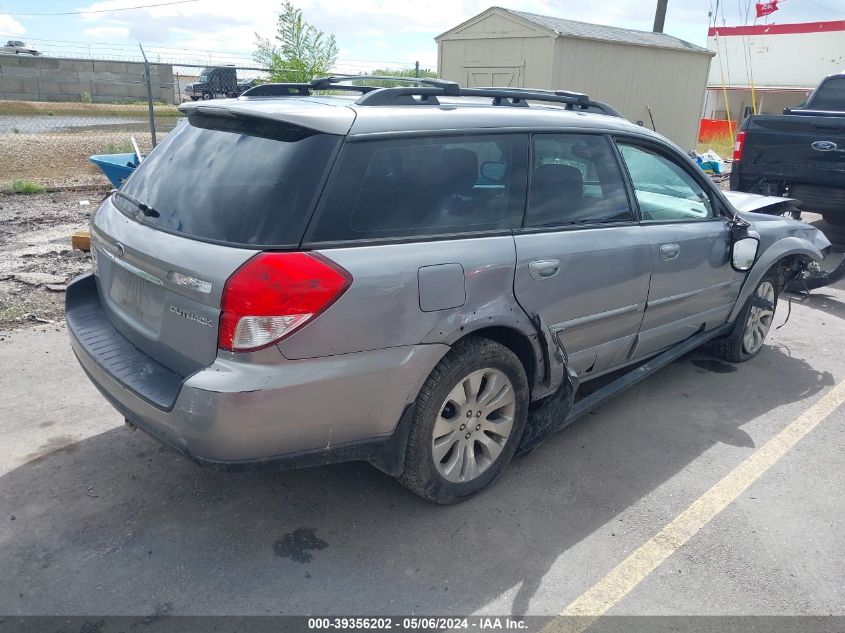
[
  {"x": 27, "y": 187},
  {"x": 122, "y": 147}
]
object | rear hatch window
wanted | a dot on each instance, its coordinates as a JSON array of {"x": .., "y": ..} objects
[
  {"x": 237, "y": 181},
  {"x": 830, "y": 95}
]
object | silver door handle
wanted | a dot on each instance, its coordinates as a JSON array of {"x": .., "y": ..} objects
[
  {"x": 669, "y": 251},
  {"x": 543, "y": 268}
]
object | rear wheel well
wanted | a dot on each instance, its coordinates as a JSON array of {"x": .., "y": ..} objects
[{"x": 516, "y": 342}]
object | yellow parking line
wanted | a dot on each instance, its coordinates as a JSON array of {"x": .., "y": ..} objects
[{"x": 633, "y": 570}]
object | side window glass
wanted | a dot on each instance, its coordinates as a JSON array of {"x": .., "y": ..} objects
[
  {"x": 575, "y": 179},
  {"x": 664, "y": 189},
  {"x": 425, "y": 186}
]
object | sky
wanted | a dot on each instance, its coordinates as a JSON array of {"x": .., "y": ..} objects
[{"x": 370, "y": 33}]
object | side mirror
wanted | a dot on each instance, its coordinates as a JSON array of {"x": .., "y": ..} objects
[
  {"x": 743, "y": 253},
  {"x": 493, "y": 170}
]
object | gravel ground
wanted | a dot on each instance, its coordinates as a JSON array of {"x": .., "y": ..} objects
[
  {"x": 36, "y": 259},
  {"x": 61, "y": 159}
]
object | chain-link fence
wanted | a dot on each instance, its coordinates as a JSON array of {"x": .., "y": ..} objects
[{"x": 57, "y": 112}]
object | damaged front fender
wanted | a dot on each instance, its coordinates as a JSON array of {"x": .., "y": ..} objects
[{"x": 776, "y": 252}]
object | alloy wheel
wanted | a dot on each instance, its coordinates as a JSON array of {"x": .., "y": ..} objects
[{"x": 759, "y": 319}]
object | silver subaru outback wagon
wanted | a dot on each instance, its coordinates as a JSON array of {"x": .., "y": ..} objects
[{"x": 419, "y": 276}]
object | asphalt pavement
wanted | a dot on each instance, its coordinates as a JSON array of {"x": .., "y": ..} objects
[{"x": 98, "y": 519}]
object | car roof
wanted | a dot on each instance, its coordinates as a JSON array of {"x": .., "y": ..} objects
[{"x": 339, "y": 114}]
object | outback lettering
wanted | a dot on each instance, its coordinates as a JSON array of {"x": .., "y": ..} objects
[{"x": 191, "y": 316}]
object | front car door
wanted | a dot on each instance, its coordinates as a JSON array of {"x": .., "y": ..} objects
[
  {"x": 583, "y": 262},
  {"x": 693, "y": 286}
]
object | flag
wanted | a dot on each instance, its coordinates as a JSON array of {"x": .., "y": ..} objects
[{"x": 765, "y": 8}]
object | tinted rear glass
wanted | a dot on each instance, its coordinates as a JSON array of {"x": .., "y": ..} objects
[
  {"x": 425, "y": 186},
  {"x": 238, "y": 181},
  {"x": 829, "y": 96}
]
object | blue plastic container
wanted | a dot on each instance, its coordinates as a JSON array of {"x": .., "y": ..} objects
[{"x": 116, "y": 167}]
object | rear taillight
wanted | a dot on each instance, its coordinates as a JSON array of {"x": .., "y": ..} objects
[
  {"x": 739, "y": 144},
  {"x": 273, "y": 294}
]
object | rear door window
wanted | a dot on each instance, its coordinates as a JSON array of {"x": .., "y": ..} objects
[
  {"x": 575, "y": 179},
  {"x": 425, "y": 186},
  {"x": 237, "y": 181},
  {"x": 830, "y": 95}
]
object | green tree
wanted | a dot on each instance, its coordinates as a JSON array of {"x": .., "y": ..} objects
[
  {"x": 399, "y": 72},
  {"x": 301, "y": 50}
]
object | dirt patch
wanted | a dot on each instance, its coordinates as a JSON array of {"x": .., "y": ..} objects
[
  {"x": 60, "y": 159},
  {"x": 36, "y": 260},
  {"x": 37, "y": 108}
]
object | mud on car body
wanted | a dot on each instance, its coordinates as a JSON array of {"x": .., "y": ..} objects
[{"x": 420, "y": 277}]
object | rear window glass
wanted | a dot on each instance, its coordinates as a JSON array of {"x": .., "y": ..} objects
[
  {"x": 830, "y": 95},
  {"x": 238, "y": 181},
  {"x": 425, "y": 186}
]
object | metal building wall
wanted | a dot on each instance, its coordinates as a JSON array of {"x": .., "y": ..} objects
[
  {"x": 780, "y": 56},
  {"x": 632, "y": 78}
]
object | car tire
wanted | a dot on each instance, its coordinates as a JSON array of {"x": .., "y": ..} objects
[
  {"x": 206, "y": 96},
  {"x": 448, "y": 458},
  {"x": 834, "y": 218},
  {"x": 756, "y": 318}
]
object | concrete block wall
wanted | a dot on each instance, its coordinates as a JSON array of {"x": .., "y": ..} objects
[{"x": 30, "y": 78}]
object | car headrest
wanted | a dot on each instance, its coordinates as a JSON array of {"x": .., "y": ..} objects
[
  {"x": 459, "y": 170},
  {"x": 566, "y": 180}
]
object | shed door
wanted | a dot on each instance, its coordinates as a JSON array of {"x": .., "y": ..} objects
[{"x": 500, "y": 76}]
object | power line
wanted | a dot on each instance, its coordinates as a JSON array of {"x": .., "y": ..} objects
[
  {"x": 143, "y": 6},
  {"x": 57, "y": 46},
  {"x": 824, "y": 6}
]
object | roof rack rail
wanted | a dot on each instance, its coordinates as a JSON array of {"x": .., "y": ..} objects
[
  {"x": 518, "y": 97},
  {"x": 425, "y": 92},
  {"x": 336, "y": 82}
]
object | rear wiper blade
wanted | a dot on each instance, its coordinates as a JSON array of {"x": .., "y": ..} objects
[{"x": 143, "y": 207}]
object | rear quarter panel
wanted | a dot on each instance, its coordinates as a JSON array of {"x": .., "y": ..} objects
[{"x": 382, "y": 307}]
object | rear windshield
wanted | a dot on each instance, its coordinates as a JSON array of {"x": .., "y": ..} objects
[
  {"x": 830, "y": 95},
  {"x": 237, "y": 181}
]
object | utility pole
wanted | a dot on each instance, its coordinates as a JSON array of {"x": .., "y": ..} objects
[
  {"x": 417, "y": 69},
  {"x": 660, "y": 16},
  {"x": 149, "y": 95}
]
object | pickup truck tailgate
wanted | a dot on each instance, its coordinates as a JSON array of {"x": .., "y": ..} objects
[{"x": 796, "y": 148}]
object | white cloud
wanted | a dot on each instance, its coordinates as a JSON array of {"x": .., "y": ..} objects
[
  {"x": 381, "y": 32},
  {"x": 106, "y": 32},
  {"x": 10, "y": 26}
]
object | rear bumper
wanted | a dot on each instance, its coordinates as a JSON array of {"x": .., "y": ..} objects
[{"x": 237, "y": 414}]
